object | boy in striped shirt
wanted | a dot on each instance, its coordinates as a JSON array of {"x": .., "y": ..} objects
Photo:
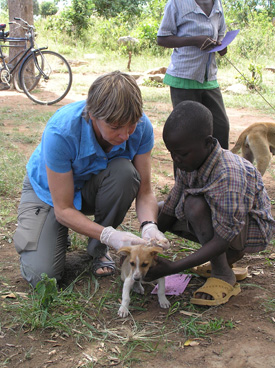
[{"x": 218, "y": 200}]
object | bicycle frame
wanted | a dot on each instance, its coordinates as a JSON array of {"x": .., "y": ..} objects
[{"x": 26, "y": 53}]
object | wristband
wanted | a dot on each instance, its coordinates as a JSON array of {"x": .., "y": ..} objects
[{"x": 147, "y": 222}]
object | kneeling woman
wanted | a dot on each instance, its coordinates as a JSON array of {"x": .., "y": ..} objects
[{"x": 93, "y": 159}]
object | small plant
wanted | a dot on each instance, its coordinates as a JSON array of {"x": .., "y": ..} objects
[
  {"x": 255, "y": 80},
  {"x": 44, "y": 295},
  {"x": 153, "y": 83},
  {"x": 46, "y": 307},
  {"x": 46, "y": 292},
  {"x": 165, "y": 189},
  {"x": 197, "y": 327}
]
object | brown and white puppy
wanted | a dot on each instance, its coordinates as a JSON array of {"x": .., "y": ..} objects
[
  {"x": 139, "y": 258},
  {"x": 257, "y": 142}
]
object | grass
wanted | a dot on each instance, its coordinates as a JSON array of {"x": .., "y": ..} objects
[
  {"x": 11, "y": 166},
  {"x": 269, "y": 305},
  {"x": 89, "y": 314}
]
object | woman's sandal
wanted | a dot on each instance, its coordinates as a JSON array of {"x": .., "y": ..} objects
[
  {"x": 98, "y": 263},
  {"x": 204, "y": 270},
  {"x": 220, "y": 291}
]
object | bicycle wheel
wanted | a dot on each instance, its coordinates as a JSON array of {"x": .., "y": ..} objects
[
  {"x": 31, "y": 84},
  {"x": 16, "y": 83},
  {"x": 46, "y": 77}
]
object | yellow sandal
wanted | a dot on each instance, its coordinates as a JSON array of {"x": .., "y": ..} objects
[
  {"x": 204, "y": 270},
  {"x": 221, "y": 291}
]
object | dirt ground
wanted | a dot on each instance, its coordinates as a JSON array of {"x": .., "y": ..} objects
[{"x": 250, "y": 344}]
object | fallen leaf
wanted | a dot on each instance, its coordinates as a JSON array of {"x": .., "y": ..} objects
[
  {"x": 194, "y": 343},
  {"x": 191, "y": 343},
  {"x": 190, "y": 313},
  {"x": 256, "y": 273},
  {"x": 89, "y": 357},
  {"x": 11, "y": 295},
  {"x": 272, "y": 256}
]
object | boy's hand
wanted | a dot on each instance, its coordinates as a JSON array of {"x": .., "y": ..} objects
[
  {"x": 163, "y": 268},
  {"x": 223, "y": 52},
  {"x": 205, "y": 43}
]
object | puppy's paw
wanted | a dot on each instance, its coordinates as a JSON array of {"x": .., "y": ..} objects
[
  {"x": 164, "y": 302},
  {"x": 123, "y": 311},
  {"x": 138, "y": 288}
]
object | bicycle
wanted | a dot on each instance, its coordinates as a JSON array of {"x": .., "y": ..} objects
[{"x": 43, "y": 75}]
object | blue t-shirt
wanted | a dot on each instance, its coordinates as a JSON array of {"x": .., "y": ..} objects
[{"x": 69, "y": 143}]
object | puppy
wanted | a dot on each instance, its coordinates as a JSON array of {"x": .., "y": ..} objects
[
  {"x": 139, "y": 259},
  {"x": 257, "y": 142}
]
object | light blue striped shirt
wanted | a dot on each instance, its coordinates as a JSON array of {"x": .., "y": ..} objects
[{"x": 185, "y": 18}]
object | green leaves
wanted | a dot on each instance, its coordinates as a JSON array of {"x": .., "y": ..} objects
[{"x": 46, "y": 291}]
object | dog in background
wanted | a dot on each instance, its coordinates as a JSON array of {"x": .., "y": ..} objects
[
  {"x": 139, "y": 258},
  {"x": 257, "y": 142}
]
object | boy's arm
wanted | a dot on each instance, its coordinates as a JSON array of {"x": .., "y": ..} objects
[
  {"x": 175, "y": 41},
  {"x": 168, "y": 30},
  {"x": 209, "y": 250},
  {"x": 165, "y": 222}
]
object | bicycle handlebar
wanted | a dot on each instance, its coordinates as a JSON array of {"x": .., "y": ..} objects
[
  {"x": 29, "y": 27},
  {"x": 30, "y": 34}
]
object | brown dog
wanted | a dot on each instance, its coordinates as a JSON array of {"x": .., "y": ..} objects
[
  {"x": 134, "y": 268},
  {"x": 257, "y": 142}
]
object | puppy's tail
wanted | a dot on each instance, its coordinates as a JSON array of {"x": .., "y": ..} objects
[{"x": 239, "y": 142}]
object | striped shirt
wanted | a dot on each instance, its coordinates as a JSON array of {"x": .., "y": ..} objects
[
  {"x": 185, "y": 18},
  {"x": 233, "y": 189}
]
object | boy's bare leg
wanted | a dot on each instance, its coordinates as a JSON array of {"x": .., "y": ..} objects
[
  {"x": 234, "y": 256},
  {"x": 198, "y": 214}
]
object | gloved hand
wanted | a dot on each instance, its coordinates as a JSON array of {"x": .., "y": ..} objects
[
  {"x": 151, "y": 232},
  {"x": 118, "y": 239}
]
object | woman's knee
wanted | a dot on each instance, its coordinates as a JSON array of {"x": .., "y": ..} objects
[
  {"x": 33, "y": 268},
  {"x": 47, "y": 255},
  {"x": 124, "y": 177}
]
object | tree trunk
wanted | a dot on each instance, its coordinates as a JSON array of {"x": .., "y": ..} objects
[{"x": 21, "y": 9}]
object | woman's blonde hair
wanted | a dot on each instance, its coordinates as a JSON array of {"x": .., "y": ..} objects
[{"x": 115, "y": 98}]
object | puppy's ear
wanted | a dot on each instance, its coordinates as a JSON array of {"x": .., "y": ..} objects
[
  {"x": 125, "y": 250},
  {"x": 155, "y": 250}
]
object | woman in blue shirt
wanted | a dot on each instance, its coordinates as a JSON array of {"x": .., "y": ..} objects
[{"x": 93, "y": 159}]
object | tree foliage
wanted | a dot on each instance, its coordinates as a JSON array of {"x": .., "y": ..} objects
[
  {"x": 4, "y": 4},
  {"x": 48, "y": 8},
  {"x": 241, "y": 11},
  {"x": 109, "y": 9},
  {"x": 74, "y": 19}
]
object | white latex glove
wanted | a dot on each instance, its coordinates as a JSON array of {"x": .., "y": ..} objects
[
  {"x": 118, "y": 239},
  {"x": 151, "y": 232}
]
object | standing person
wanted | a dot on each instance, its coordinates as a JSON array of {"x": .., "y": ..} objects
[
  {"x": 218, "y": 200},
  {"x": 93, "y": 159},
  {"x": 191, "y": 28}
]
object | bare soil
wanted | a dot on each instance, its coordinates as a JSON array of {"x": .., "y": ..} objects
[{"x": 250, "y": 344}]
